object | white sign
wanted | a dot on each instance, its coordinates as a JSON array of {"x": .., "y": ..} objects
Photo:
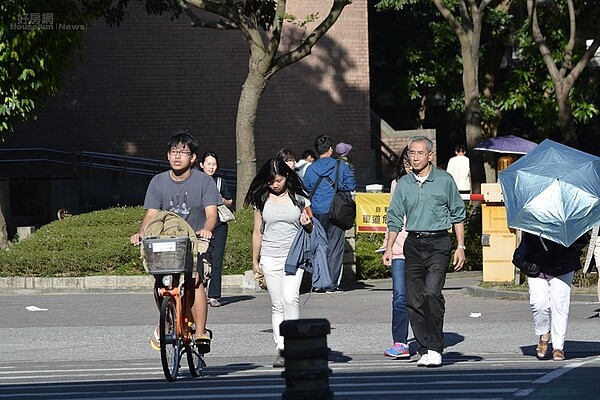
[{"x": 163, "y": 246}]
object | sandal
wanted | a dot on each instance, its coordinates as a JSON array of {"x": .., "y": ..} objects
[
  {"x": 203, "y": 342},
  {"x": 214, "y": 302},
  {"x": 155, "y": 340},
  {"x": 558, "y": 355},
  {"x": 542, "y": 348}
]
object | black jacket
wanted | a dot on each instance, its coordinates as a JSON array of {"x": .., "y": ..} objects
[{"x": 554, "y": 258}]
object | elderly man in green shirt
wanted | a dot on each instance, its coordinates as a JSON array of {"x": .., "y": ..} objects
[{"x": 430, "y": 201}]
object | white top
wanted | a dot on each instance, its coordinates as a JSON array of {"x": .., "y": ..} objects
[{"x": 459, "y": 168}]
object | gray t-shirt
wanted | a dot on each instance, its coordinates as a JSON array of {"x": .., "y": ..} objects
[
  {"x": 282, "y": 222},
  {"x": 186, "y": 198}
]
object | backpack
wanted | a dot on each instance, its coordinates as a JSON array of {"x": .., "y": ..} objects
[
  {"x": 167, "y": 224},
  {"x": 342, "y": 211}
]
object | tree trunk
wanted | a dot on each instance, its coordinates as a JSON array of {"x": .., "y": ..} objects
[
  {"x": 246, "y": 118},
  {"x": 473, "y": 113},
  {"x": 468, "y": 31},
  {"x": 3, "y": 232},
  {"x": 565, "y": 117}
]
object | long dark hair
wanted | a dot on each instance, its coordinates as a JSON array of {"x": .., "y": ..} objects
[
  {"x": 400, "y": 170},
  {"x": 258, "y": 193}
]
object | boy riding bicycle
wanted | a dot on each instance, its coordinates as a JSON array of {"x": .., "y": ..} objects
[{"x": 192, "y": 195}]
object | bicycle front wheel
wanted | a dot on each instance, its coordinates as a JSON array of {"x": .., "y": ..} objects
[
  {"x": 169, "y": 342},
  {"x": 195, "y": 360}
]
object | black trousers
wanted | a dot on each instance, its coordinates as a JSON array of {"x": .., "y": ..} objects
[
  {"x": 219, "y": 238},
  {"x": 427, "y": 261}
]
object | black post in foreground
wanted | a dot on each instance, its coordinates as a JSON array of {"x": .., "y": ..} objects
[{"x": 306, "y": 353}]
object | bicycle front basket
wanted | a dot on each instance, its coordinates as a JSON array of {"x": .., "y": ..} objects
[{"x": 168, "y": 255}]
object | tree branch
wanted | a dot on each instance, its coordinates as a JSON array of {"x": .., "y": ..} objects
[
  {"x": 583, "y": 62},
  {"x": 234, "y": 18},
  {"x": 458, "y": 29},
  {"x": 307, "y": 44},
  {"x": 540, "y": 41},
  {"x": 228, "y": 11},
  {"x": 198, "y": 22},
  {"x": 276, "y": 31},
  {"x": 567, "y": 60}
]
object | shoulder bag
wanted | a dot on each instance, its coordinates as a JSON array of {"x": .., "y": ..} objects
[
  {"x": 528, "y": 268},
  {"x": 225, "y": 214}
]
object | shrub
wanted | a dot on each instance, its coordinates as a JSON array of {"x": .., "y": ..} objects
[
  {"x": 95, "y": 243},
  {"x": 238, "y": 248},
  {"x": 368, "y": 263}
]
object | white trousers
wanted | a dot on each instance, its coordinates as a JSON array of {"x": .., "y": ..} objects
[
  {"x": 550, "y": 298},
  {"x": 284, "y": 291}
]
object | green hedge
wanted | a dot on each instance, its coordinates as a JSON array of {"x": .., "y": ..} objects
[{"x": 97, "y": 243}]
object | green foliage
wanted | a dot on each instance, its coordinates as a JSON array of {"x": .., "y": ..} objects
[
  {"x": 394, "y": 4},
  {"x": 36, "y": 49},
  {"x": 473, "y": 253},
  {"x": 238, "y": 248},
  {"x": 529, "y": 87},
  {"x": 95, "y": 243},
  {"x": 368, "y": 263},
  {"x": 370, "y": 266},
  {"x": 585, "y": 280}
]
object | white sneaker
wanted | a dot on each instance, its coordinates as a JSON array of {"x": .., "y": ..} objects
[
  {"x": 434, "y": 359},
  {"x": 422, "y": 361}
]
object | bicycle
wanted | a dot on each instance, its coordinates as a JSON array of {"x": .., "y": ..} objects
[{"x": 169, "y": 259}]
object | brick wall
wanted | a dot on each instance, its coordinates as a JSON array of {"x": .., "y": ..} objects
[{"x": 138, "y": 83}]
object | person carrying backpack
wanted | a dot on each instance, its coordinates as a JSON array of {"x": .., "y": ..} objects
[{"x": 317, "y": 179}]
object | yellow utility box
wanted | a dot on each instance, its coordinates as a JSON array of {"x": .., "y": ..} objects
[{"x": 497, "y": 239}]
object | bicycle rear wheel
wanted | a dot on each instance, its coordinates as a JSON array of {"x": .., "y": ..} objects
[
  {"x": 195, "y": 360},
  {"x": 169, "y": 343}
]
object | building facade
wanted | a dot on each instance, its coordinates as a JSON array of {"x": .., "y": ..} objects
[{"x": 137, "y": 84}]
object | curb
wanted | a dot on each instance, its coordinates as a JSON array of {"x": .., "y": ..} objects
[
  {"x": 230, "y": 284},
  {"x": 108, "y": 284},
  {"x": 477, "y": 291}
]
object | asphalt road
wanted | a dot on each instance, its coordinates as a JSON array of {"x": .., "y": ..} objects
[{"x": 100, "y": 339}]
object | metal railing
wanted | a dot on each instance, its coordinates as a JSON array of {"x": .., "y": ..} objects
[{"x": 77, "y": 161}]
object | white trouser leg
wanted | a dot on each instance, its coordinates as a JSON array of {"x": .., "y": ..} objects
[
  {"x": 550, "y": 299},
  {"x": 539, "y": 300},
  {"x": 560, "y": 300},
  {"x": 284, "y": 291}
]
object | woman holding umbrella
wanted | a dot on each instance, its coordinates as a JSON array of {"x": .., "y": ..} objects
[{"x": 550, "y": 290}]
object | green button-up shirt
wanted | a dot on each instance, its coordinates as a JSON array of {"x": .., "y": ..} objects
[{"x": 434, "y": 205}]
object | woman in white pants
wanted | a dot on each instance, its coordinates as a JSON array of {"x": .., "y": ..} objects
[
  {"x": 550, "y": 291},
  {"x": 280, "y": 208}
]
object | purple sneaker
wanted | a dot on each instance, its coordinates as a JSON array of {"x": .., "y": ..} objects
[{"x": 398, "y": 350}]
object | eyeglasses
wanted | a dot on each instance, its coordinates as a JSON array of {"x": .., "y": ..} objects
[
  {"x": 175, "y": 152},
  {"x": 419, "y": 154}
]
